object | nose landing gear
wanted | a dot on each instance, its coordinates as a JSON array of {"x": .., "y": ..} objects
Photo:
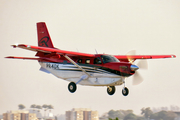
[{"x": 125, "y": 91}]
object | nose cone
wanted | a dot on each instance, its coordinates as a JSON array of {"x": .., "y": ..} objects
[{"x": 134, "y": 67}]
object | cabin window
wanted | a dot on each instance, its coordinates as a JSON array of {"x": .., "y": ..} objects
[
  {"x": 79, "y": 61},
  {"x": 87, "y": 61},
  {"x": 97, "y": 61},
  {"x": 64, "y": 61}
]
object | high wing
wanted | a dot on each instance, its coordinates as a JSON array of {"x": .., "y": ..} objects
[
  {"x": 126, "y": 58},
  {"x": 52, "y": 50}
]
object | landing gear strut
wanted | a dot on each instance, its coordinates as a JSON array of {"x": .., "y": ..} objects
[
  {"x": 125, "y": 90},
  {"x": 111, "y": 90},
  {"x": 72, "y": 87}
]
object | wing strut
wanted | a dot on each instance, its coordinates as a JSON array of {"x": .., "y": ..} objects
[{"x": 76, "y": 65}]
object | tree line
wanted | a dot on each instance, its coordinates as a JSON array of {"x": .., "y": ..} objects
[
  {"x": 146, "y": 114},
  {"x": 37, "y": 108}
]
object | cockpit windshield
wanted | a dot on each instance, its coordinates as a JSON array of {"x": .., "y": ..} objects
[{"x": 109, "y": 58}]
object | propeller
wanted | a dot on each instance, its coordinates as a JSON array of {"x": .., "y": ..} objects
[
  {"x": 137, "y": 78},
  {"x": 142, "y": 64}
]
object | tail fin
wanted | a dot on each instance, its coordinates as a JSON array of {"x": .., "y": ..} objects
[{"x": 44, "y": 39}]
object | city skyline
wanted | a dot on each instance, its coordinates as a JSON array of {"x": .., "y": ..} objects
[
  {"x": 44, "y": 111},
  {"x": 88, "y": 114}
]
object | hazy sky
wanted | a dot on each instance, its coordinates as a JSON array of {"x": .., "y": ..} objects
[{"x": 109, "y": 26}]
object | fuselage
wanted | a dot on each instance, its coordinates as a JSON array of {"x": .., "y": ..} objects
[{"x": 104, "y": 70}]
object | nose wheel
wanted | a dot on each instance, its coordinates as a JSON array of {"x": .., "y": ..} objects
[
  {"x": 125, "y": 91},
  {"x": 72, "y": 87},
  {"x": 111, "y": 90}
]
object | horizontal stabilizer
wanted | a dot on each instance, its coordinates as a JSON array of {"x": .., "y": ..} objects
[{"x": 25, "y": 58}]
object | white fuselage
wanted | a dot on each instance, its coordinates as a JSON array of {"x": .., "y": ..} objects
[{"x": 70, "y": 72}]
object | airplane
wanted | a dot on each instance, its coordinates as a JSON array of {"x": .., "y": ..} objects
[{"x": 83, "y": 68}]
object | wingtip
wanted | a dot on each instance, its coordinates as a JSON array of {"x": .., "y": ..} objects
[
  {"x": 9, "y": 57},
  {"x": 20, "y": 45},
  {"x": 14, "y": 46},
  {"x": 173, "y": 56}
]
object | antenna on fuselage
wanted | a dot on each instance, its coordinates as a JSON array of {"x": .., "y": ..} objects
[
  {"x": 77, "y": 50},
  {"x": 96, "y": 51}
]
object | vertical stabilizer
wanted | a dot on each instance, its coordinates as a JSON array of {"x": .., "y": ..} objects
[{"x": 44, "y": 39}]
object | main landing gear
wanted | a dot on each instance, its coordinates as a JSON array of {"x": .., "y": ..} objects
[
  {"x": 111, "y": 90},
  {"x": 72, "y": 87}
]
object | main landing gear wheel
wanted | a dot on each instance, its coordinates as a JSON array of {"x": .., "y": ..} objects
[
  {"x": 72, "y": 87},
  {"x": 125, "y": 91},
  {"x": 111, "y": 90}
]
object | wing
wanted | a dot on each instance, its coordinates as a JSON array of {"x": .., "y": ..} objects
[
  {"x": 52, "y": 50},
  {"x": 134, "y": 57}
]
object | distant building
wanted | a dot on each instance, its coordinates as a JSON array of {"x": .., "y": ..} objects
[
  {"x": 68, "y": 115},
  {"x": 93, "y": 115},
  {"x": 82, "y": 114},
  {"x": 6, "y": 116},
  {"x": 16, "y": 116},
  {"x": 19, "y": 115},
  {"x": 31, "y": 116}
]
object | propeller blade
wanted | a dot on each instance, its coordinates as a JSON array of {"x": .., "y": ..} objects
[
  {"x": 137, "y": 79},
  {"x": 143, "y": 64},
  {"x": 132, "y": 52}
]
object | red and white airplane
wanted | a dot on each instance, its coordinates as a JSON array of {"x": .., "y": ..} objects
[{"x": 83, "y": 68}]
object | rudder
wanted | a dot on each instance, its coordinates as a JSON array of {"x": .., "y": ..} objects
[{"x": 44, "y": 39}]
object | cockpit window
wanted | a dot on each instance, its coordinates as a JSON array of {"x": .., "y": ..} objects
[{"x": 109, "y": 58}]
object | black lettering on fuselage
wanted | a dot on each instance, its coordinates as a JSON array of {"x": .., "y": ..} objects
[{"x": 54, "y": 66}]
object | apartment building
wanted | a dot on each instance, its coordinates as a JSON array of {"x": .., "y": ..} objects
[
  {"x": 82, "y": 114},
  {"x": 6, "y": 116},
  {"x": 19, "y": 115},
  {"x": 31, "y": 116}
]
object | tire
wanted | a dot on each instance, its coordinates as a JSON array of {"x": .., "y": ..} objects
[
  {"x": 111, "y": 90},
  {"x": 72, "y": 87},
  {"x": 125, "y": 91}
]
